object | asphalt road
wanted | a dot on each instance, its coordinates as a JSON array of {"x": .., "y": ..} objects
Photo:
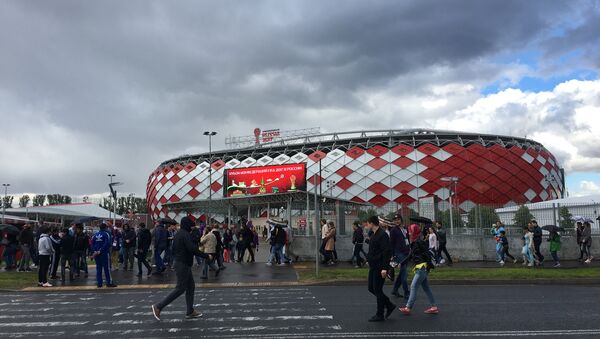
[{"x": 304, "y": 312}]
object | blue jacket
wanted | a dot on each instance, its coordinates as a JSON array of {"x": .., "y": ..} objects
[
  {"x": 161, "y": 236},
  {"x": 101, "y": 241}
]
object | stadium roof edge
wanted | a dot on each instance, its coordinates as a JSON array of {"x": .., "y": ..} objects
[{"x": 414, "y": 136}]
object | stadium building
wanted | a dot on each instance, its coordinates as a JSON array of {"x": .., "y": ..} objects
[{"x": 384, "y": 168}]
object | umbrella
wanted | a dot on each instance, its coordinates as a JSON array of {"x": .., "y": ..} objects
[
  {"x": 10, "y": 229},
  {"x": 553, "y": 228},
  {"x": 579, "y": 218},
  {"x": 167, "y": 221},
  {"x": 421, "y": 220},
  {"x": 386, "y": 222},
  {"x": 275, "y": 222}
]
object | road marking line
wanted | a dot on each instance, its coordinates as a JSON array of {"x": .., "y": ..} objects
[{"x": 45, "y": 324}]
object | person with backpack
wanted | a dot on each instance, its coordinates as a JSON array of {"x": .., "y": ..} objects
[{"x": 422, "y": 259}]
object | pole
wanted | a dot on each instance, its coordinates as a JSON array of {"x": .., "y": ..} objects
[
  {"x": 451, "y": 216},
  {"x": 320, "y": 187},
  {"x": 307, "y": 214},
  {"x": 209, "y": 175},
  {"x": 316, "y": 231},
  {"x": 4, "y": 201},
  {"x": 115, "y": 213}
]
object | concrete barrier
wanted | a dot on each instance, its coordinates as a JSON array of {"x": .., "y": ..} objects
[{"x": 461, "y": 247}]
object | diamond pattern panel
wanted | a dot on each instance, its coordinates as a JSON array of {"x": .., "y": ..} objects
[{"x": 381, "y": 175}]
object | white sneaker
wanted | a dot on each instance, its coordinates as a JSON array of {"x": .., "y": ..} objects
[
  {"x": 269, "y": 264},
  {"x": 282, "y": 264},
  {"x": 501, "y": 262},
  {"x": 47, "y": 285},
  {"x": 588, "y": 261},
  {"x": 515, "y": 261},
  {"x": 530, "y": 264}
]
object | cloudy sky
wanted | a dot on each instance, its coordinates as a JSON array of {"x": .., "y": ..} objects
[{"x": 92, "y": 87}]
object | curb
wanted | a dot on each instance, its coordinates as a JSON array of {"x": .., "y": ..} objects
[{"x": 157, "y": 286}]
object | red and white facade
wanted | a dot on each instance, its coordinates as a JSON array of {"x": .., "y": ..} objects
[{"x": 380, "y": 167}]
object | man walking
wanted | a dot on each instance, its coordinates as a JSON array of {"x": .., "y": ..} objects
[
  {"x": 144, "y": 239},
  {"x": 128, "y": 247},
  {"x": 537, "y": 241},
  {"x": 441, "y": 235},
  {"x": 184, "y": 252},
  {"x": 26, "y": 243},
  {"x": 401, "y": 249},
  {"x": 160, "y": 245},
  {"x": 101, "y": 244},
  {"x": 379, "y": 260},
  {"x": 81, "y": 243}
]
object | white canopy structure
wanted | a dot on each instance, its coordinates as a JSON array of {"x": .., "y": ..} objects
[{"x": 66, "y": 211}]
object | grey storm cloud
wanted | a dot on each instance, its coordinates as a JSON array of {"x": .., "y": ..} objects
[{"x": 136, "y": 82}]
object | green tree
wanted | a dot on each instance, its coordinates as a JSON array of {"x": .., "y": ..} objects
[
  {"x": 522, "y": 216},
  {"x": 444, "y": 218},
  {"x": 482, "y": 217},
  {"x": 7, "y": 201},
  {"x": 363, "y": 215},
  {"x": 24, "y": 200},
  {"x": 565, "y": 218},
  {"x": 39, "y": 200}
]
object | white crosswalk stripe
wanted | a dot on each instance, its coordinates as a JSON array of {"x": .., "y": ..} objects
[{"x": 227, "y": 312}]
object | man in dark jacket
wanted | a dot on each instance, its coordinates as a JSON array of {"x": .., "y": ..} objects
[
  {"x": 128, "y": 247},
  {"x": 81, "y": 244},
  {"x": 66, "y": 254},
  {"x": 160, "y": 245},
  {"x": 537, "y": 241},
  {"x": 441, "y": 237},
  {"x": 358, "y": 239},
  {"x": 26, "y": 243},
  {"x": 401, "y": 248},
  {"x": 144, "y": 239},
  {"x": 184, "y": 252},
  {"x": 220, "y": 248},
  {"x": 379, "y": 264}
]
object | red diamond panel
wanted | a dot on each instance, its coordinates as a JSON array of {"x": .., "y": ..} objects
[
  {"x": 428, "y": 149},
  {"x": 344, "y": 184},
  {"x": 355, "y": 152},
  {"x": 453, "y": 149},
  {"x": 477, "y": 149},
  {"x": 377, "y": 150},
  {"x": 357, "y": 199},
  {"x": 491, "y": 167},
  {"x": 216, "y": 186},
  {"x": 403, "y": 162},
  {"x": 430, "y": 174},
  {"x": 378, "y": 188},
  {"x": 317, "y": 156},
  {"x": 190, "y": 166},
  {"x": 164, "y": 180},
  {"x": 174, "y": 179},
  {"x": 517, "y": 151},
  {"x": 193, "y": 193},
  {"x": 431, "y": 187},
  {"x": 402, "y": 150},
  {"x": 405, "y": 199},
  {"x": 312, "y": 181},
  {"x": 217, "y": 165},
  {"x": 404, "y": 187},
  {"x": 377, "y": 163},
  {"x": 378, "y": 201},
  {"x": 429, "y": 161},
  {"x": 174, "y": 198},
  {"x": 194, "y": 182},
  {"x": 481, "y": 187},
  {"x": 344, "y": 172}
]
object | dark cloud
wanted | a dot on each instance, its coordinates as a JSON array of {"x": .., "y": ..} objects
[{"x": 133, "y": 83}]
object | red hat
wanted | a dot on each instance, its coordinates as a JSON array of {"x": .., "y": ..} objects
[{"x": 414, "y": 232}]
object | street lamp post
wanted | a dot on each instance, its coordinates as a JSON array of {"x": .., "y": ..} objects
[
  {"x": 111, "y": 176},
  {"x": 451, "y": 180},
  {"x": 210, "y": 134},
  {"x": 4, "y": 200}
]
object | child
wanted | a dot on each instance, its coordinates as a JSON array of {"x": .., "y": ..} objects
[
  {"x": 554, "y": 240},
  {"x": 503, "y": 240}
]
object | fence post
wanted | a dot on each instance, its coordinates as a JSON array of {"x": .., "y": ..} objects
[{"x": 554, "y": 213}]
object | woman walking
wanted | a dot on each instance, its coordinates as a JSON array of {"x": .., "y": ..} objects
[
  {"x": 330, "y": 244},
  {"x": 527, "y": 250},
  {"x": 586, "y": 242},
  {"x": 421, "y": 257}
]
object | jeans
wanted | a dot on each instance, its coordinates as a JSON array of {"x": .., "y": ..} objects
[
  {"x": 55, "y": 264},
  {"x": 10, "y": 255},
  {"x": 276, "y": 254},
  {"x": 64, "y": 258},
  {"x": 158, "y": 261},
  {"x": 43, "y": 270},
  {"x": 538, "y": 254},
  {"x": 376, "y": 288},
  {"x": 498, "y": 251},
  {"x": 80, "y": 262},
  {"x": 25, "y": 257},
  {"x": 185, "y": 284},
  {"x": 402, "y": 275},
  {"x": 554, "y": 256},
  {"x": 142, "y": 259},
  {"x": 208, "y": 263},
  {"x": 420, "y": 278},
  {"x": 128, "y": 257},
  {"x": 356, "y": 254}
]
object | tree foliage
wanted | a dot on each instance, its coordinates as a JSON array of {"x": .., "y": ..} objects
[
  {"x": 126, "y": 205},
  {"x": 24, "y": 200},
  {"x": 565, "y": 218},
  {"x": 7, "y": 201},
  {"x": 57, "y": 199},
  {"x": 363, "y": 215},
  {"x": 39, "y": 200},
  {"x": 444, "y": 218},
  {"x": 522, "y": 216},
  {"x": 482, "y": 217}
]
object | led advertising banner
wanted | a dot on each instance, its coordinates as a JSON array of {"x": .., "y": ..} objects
[{"x": 265, "y": 180}]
